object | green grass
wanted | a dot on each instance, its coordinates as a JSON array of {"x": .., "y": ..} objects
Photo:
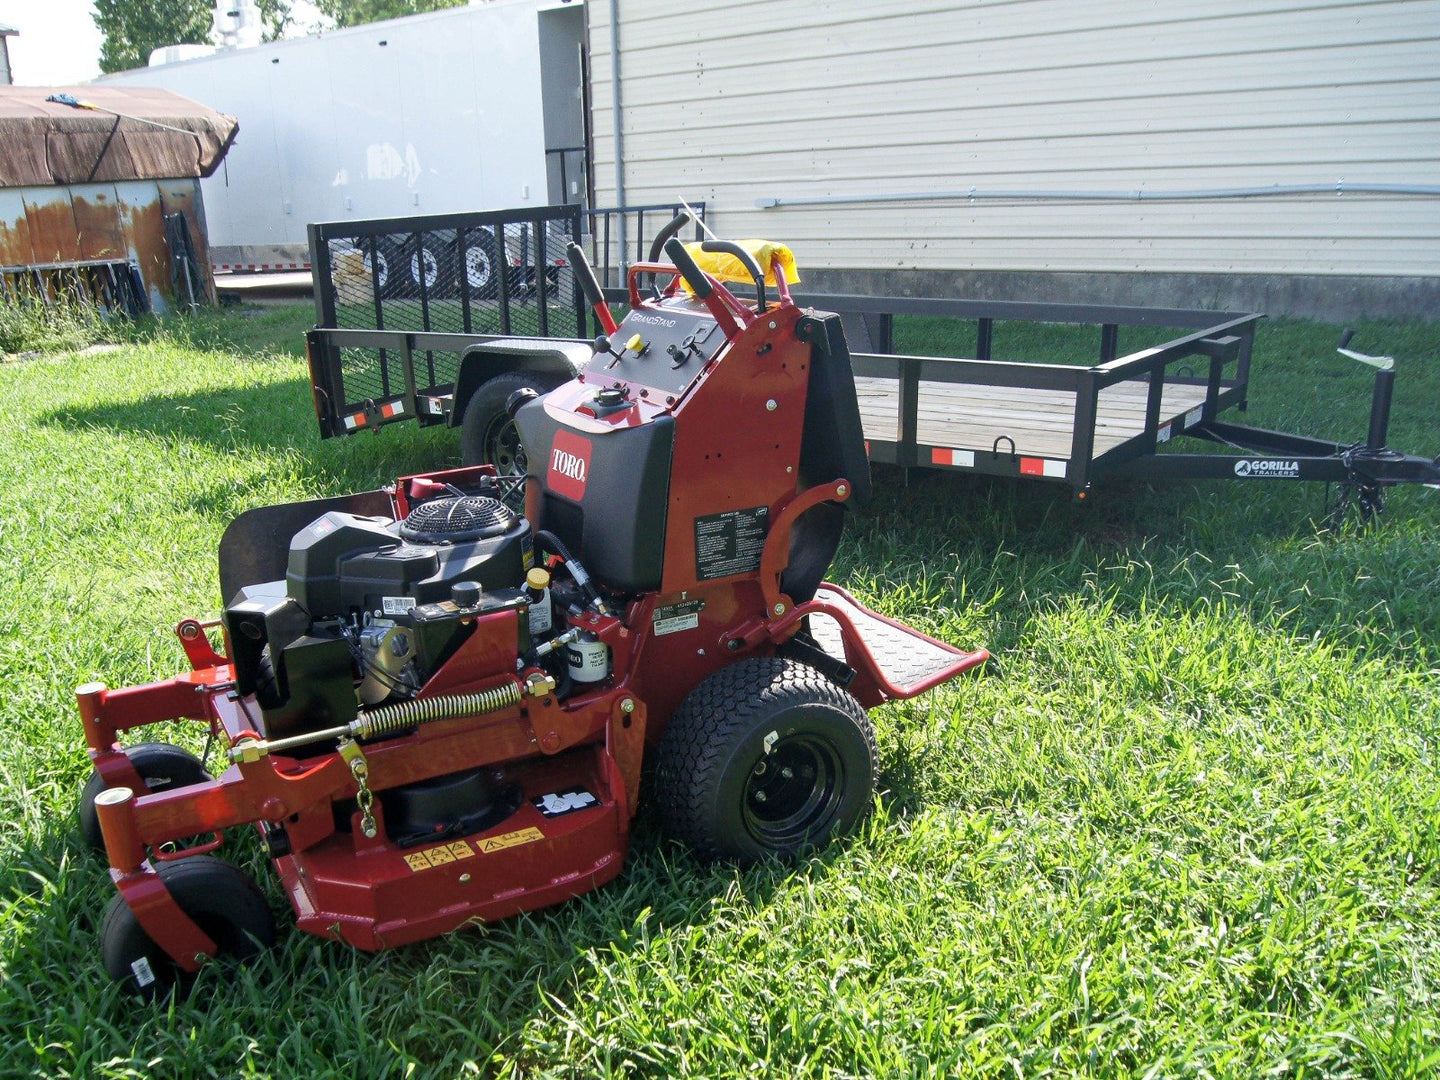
[
  {"x": 31, "y": 326},
  {"x": 1189, "y": 826}
]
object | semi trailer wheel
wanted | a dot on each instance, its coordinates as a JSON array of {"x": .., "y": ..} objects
[
  {"x": 436, "y": 262},
  {"x": 161, "y": 765},
  {"x": 221, "y": 899},
  {"x": 487, "y": 434},
  {"x": 764, "y": 758},
  {"x": 479, "y": 263}
]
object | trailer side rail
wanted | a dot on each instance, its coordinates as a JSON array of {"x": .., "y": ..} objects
[
  {"x": 1048, "y": 421},
  {"x": 365, "y": 379}
]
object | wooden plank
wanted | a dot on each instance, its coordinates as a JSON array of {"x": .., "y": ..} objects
[{"x": 1039, "y": 422}]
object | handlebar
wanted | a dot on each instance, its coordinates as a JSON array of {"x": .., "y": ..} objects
[
  {"x": 746, "y": 259},
  {"x": 699, "y": 284},
  {"x": 672, "y": 228}
]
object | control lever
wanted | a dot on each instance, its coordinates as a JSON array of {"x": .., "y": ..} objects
[
  {"x": 590, "y": 286},
  {"x": 602, "y": 345}
]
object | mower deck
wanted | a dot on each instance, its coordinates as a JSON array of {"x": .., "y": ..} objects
[{"x": 376, "y": 894}]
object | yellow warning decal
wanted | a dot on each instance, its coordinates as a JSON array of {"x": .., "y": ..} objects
[
  {"x": 511, "y": 839},
  {"x": 438, "y": 856}
]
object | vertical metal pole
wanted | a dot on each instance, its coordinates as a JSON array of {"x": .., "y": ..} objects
[
  {"x": 1082, "y": 439},
  {"x": 984, "y": 338},
  {"x": 1109, "y": 342},
  {"x": 619, "y": 130},
  {"x": 1380, "y": 409},
  {"x": 908, "y": 452},
  {"x": 462, "y": 278}
]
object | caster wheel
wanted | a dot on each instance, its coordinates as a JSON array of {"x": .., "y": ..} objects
[
  {"x": 161, "y": 765},
  {"x": 224, "y": 903}
]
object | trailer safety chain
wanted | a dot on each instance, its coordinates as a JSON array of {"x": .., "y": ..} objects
[{"x": 364, "y": 797}]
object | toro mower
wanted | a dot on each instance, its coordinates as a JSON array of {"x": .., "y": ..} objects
[{"x": 435, "y": 710}]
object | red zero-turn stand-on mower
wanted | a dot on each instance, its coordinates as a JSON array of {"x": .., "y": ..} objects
[{"x": 436, "y": 711}]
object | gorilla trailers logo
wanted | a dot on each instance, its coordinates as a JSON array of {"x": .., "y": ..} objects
[
  {"x": 1267, "y": 468},
  {"x": 569, "y": 465}
]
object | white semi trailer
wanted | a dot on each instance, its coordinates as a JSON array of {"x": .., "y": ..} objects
[{"x": 473, "y": 108}]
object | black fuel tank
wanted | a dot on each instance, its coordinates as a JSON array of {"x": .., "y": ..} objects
[{"x": 604, "y": 493}]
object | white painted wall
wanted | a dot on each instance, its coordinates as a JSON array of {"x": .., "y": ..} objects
[
  {"x": 430, "y": 114},
  {"x": 732, "y": 101}
]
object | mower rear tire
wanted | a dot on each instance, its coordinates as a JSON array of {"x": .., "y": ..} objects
[
  {"x": 222, "y": 901},
  {"x": 162, "y": 767},
  {"x": 487, "y": 434},
  {"x": 765, "y": 758}
]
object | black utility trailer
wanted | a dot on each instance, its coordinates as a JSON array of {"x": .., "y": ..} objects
[
  {"x": 1081, "y": 425},
  {"x": 1074, "y": 424}
]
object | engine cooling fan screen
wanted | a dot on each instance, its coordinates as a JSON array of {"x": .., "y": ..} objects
[{"x": 467, "y": 517}]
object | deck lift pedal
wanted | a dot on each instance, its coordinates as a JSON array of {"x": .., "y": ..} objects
[{"x": 435, "y": 710}]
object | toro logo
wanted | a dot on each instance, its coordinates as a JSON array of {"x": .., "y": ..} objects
[{"x": 569, "y": 465}]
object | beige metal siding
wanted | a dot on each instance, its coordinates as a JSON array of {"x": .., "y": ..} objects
[{"x": 736, "y": 101}]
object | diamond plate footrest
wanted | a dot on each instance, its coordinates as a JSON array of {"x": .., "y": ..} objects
[{"x": 909, "y": 661}]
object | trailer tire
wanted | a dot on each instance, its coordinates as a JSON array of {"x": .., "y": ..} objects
[
  {"x": 160, "y": 765},
  {"x": 487, "y": 434},
  {"x": 765, "y": 758},
  {"x": 222, "y": 901}
]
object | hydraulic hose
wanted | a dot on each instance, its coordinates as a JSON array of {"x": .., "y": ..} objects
[{"x": 577, "y": 571}]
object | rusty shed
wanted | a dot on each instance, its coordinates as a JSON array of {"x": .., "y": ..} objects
[{"x": 103, "y": 198}]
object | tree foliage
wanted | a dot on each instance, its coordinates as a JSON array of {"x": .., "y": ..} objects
[
  {"x": 356, "y": 12},
  {"x": 134, "y": 28}
]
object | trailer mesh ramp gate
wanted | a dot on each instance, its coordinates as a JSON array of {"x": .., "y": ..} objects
[{"x": 500, "y": 272}]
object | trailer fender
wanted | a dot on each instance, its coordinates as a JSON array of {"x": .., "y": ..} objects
[{"x": 558, "y": 359}]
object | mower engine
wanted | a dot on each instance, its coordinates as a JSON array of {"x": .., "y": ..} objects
[
  {"x": 436, "y": 710},
  {"x": 373, "y": 601}
]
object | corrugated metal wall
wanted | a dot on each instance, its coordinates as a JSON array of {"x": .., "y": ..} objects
[{"x": 733, "y": 101}]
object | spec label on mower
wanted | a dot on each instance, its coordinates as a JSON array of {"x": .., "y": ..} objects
[
  {"x": 673, "y": 618},
  {"x": 730, "y": 543},
  {"x": 511, "y": 839},
  {"x": 431, "y": 857},
  {"x": 397, "y": 605}
]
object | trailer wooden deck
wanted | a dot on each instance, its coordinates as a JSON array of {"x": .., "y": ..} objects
[{"x": 1039, "y": 422}]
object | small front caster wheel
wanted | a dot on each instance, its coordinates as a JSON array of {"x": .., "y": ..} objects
[
  {"x": 162, "y": 767},
  {"x": 224, "y": 903}
]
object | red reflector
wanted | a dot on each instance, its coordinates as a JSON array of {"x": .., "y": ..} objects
[{"x": 1032, "y": 466}]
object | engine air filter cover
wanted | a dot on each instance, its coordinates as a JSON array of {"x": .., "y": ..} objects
[{"x": 464, "y": 517}]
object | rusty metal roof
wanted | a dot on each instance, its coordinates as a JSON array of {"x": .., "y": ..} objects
[{"x": 48, "y": 143}]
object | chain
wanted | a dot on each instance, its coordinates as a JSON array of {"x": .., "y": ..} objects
[{"x": 360, "y": 770}]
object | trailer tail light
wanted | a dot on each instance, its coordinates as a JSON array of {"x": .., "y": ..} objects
[
  {"x": 1034, "y": 466},
  {"x": 387, "y": 411}
]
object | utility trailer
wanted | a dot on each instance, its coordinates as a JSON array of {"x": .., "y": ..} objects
[{"x": 1075, "y": 424}]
